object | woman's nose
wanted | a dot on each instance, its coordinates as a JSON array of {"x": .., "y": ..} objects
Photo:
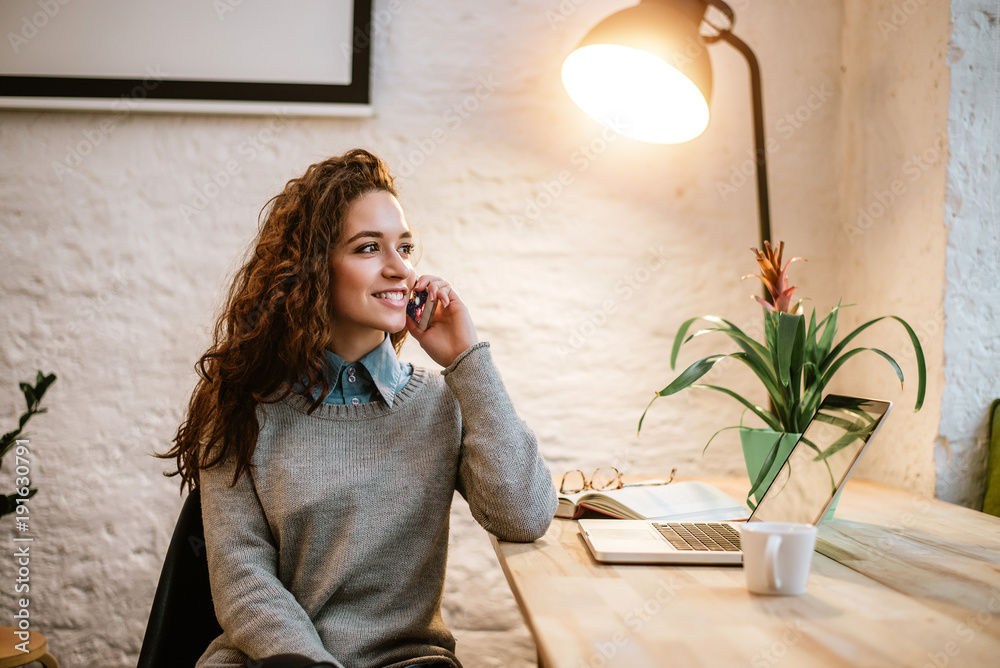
[{"x": 397, "y": 265}]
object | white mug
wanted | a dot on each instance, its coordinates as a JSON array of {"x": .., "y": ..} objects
[{"x": 777, "y": 556}]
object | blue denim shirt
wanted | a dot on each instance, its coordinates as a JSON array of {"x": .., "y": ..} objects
[{"x": 377, "y": 374}]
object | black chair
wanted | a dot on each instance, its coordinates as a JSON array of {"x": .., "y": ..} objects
[{"x": 182, "y": 622}]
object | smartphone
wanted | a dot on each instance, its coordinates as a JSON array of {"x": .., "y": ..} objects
[{"x": 421, "y": 310}]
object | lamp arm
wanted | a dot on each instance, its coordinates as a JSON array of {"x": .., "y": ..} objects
[{"x": 760, "y": 147}]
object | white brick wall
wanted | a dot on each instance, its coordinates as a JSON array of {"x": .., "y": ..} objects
[
  {"x": 972, "y": 295},
  {"x": 579, "y": 286}
]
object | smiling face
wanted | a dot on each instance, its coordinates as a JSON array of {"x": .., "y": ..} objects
[{"x": 372, "y": 275}]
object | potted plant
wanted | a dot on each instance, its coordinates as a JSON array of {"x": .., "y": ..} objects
[
  {"x": 33, "y": 397},
  {"x": 796, "y": 361}
]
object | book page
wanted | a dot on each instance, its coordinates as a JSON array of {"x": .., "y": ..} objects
[{"x": 685, "y": 500}]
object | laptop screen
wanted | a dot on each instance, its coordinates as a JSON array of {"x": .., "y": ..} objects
[{"x": 821, "y": 461}]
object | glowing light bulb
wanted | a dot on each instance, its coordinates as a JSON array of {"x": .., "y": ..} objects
[{"x": 635, "y": 93}]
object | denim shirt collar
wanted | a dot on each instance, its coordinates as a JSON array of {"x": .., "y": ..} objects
[{"x": 382, "y": 365}]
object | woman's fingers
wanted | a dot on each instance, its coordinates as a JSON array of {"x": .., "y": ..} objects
[
  {"x": 442, "y": 294},
  {"x": 424, "y": 281},
  {"x": 437, "y": 288},
  {"x": 452, "y": 330}
]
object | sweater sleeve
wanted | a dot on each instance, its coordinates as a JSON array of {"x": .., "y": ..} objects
[
  {"x": 501, "y": 473},
  {"x": 257, "y": 612}
]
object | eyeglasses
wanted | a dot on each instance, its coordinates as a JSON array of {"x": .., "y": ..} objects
[{"x": 603, "y": 479}]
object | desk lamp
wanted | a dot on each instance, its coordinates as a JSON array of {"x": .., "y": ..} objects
[{"x": 644, "y": 72}]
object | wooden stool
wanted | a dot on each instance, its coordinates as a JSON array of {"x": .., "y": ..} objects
[{"x": 38, "y": 650}]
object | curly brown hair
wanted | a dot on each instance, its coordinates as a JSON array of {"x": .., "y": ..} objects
[{"x": 276, "y": 317}]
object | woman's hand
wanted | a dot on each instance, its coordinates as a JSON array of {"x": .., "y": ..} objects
[{"x": 451, "y": 331}]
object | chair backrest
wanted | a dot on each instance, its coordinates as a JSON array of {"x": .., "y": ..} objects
[{"x": 182, "y": 621}]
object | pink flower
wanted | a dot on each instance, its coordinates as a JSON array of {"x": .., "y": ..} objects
[{"x": 775, "y": 278}]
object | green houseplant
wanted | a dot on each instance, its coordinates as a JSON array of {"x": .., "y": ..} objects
[
  {"x": 33, "y": 397},
  {"x": 796, "y": 361}
]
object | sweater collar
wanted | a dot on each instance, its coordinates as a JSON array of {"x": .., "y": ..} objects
[{"x": 377, "y": 409}]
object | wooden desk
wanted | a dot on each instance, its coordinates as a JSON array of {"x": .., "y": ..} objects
[{"x": 897, "y": 581}]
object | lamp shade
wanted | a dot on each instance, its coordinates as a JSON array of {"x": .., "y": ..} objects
[{"x": 645, "y": 72}]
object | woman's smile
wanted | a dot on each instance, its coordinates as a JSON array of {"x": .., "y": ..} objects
[{"x": 394, "y": 298}]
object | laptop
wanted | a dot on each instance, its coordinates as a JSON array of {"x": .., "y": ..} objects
[{"x": 816, "y": 470}]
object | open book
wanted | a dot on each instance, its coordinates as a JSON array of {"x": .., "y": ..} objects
[{"x": 681, "y": 501}]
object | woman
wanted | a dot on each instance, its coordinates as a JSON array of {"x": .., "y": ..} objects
[{"x": 327, "y": 466}]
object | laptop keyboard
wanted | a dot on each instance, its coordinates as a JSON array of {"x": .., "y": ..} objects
[{"x": 711, "y": 536}]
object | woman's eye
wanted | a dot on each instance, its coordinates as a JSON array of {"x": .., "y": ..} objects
[
  {"x": 368, "y": 248},
  {"x": 407, "y": 249}
]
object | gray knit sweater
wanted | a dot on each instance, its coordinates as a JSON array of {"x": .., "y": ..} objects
[{"x": 334, "y": 545}]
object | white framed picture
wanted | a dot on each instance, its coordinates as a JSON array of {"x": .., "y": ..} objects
[{"x": 304, "y": 57}]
